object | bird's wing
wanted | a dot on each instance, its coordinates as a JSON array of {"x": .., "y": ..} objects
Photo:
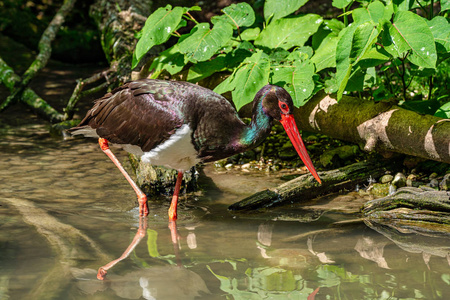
[{"x": 138, "y": 113}]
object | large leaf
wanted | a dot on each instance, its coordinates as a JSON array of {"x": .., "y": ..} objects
[
  {"x": 375, "y": 11},
  {"x": 157, "y": 30},
  {"x": 237, "y": 15},
  {"x": 250, "y": 78},
  {"x": 247, "y": 80},
  {"x": 445, "y": 5},
  {"x": 170, "y": 60},
  {"x": 443, "y": 111},
  {"x": 204, "y": 69},
  {"x": 297, "y": 79},
  {"x": 410, "y": 32},
  {"x": 325, "y": 55},
  {"x": 204, "y": 42},
  {"x": 440, "y": 28},
  {"x": 276, "y": 9},
  {"x": 289, "y": 32},
  {"x": 343, "y": 64},
  {"x": 364, "y": 37}
]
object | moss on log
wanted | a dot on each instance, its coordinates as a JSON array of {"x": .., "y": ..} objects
[
  {"x": 412, "y": 208},
  {"x": 304, "y": 187}
]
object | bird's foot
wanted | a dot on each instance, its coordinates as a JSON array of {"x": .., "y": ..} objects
[
  {"x": 143, "y": 206},
  {"x": 101, "y": 274}
]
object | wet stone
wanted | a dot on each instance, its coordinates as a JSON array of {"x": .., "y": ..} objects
[
  {"x": 434, "y": 183},
  {"x": 399, "y": 180},
  {"x": 386, "y": 178}
]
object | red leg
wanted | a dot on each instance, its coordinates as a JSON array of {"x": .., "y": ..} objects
[
  {"x": 142, "y": 198},
  {"x": 137, "y": 238},
  {"x": 173, "y": 205}
]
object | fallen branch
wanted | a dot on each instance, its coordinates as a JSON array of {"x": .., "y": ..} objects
[
  {"x": 29, "y": 97},
  {"x": 305, "y": 188},
  {"x": 412, "y": 207},
  {"x": 45, "y": 51}
]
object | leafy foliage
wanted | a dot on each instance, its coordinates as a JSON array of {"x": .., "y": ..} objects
[{"x": 382, "y": 49}]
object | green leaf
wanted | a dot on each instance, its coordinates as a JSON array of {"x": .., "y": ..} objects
[
  {"x": 192, "y": 8},
  {"x": 205, "y": 69},
  {"x": 375, "y": 11},
  {"x": 275, "y": 9},
  {"x": 403, "y": 5},
  {"x": 249, "y": 78},
  {"x": 328, "y": 29},
  {"x": 289, "y": 32},
  {"x": 443, "y": 111},
  {"x": 440, "y": 28},
  {"x": 203, "y": 43},
  {"x": 239, "y": 15},
  {"x": 170, "y": 60},
  {"x": 343, "y": 64},
  {"x": 445, "y": 5},
  {"x": 364, "y": 37},
  {"x": 157, "y": 30},
  {"x": 325, "y": 55},
  {"x": 227, "y": 85},
  {"x": 411, "y": 32},
  {"x": 297, "y": 79},
  {"x": 375, "y": 56},
  {"x": 341, "y": 3},
  {"x": 250, "y": 34},
  {"x": 360, "y": 79}
]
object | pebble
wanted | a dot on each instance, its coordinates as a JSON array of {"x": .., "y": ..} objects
[
  {"x": 399, "y": 180},
  {"x": 410, "y": 180},
  {"x": 386, "y": 178},
  {"x": 434, "y": 183}
]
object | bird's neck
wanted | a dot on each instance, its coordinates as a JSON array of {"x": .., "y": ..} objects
[{"x": 254, "y": 133}]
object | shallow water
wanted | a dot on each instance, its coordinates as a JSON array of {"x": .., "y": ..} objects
[{"x": 65, "y": 211}]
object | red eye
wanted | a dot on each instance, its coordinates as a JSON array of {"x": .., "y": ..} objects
[{"x": 283, "y": 106}]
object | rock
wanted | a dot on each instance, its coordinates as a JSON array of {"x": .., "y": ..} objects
[
  {"x": 386, "y": 178},
  {"x": 433, "y": 175},
  {"x": 399, "y": 180},
  {"x": 380, "y": 189},
  {"x": 445, "y": 183},
  {"x": 228, "y": 166},
  {"x": 246, "y": 166},
  {"x": 410, "y": 179},
  {"x": 434, "y": 183}
]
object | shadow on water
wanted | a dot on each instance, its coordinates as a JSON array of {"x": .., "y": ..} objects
[{"x": 65, "y": 211}]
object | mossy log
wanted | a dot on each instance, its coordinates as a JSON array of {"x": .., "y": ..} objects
[
  {"x": 305, "y": 188},
  {"x": 377, "y": 126},
  {"x": 422, "y": 209}
]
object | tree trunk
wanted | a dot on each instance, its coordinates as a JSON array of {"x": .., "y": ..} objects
[{"x": 377, "y": 126}]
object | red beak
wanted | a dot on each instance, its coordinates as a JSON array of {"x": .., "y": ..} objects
[{"x": 289, "y": 125}]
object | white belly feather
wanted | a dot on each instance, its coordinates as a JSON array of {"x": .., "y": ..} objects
[{"x": 176, "y": 153}]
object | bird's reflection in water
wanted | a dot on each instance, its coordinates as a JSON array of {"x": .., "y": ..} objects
[{"x": 157, "y": 282}]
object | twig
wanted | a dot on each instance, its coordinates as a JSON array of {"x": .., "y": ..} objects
[{"x": 78, "y": 91}]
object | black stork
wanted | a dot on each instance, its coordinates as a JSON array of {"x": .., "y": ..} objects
[{"x": 179, "y": 124}]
